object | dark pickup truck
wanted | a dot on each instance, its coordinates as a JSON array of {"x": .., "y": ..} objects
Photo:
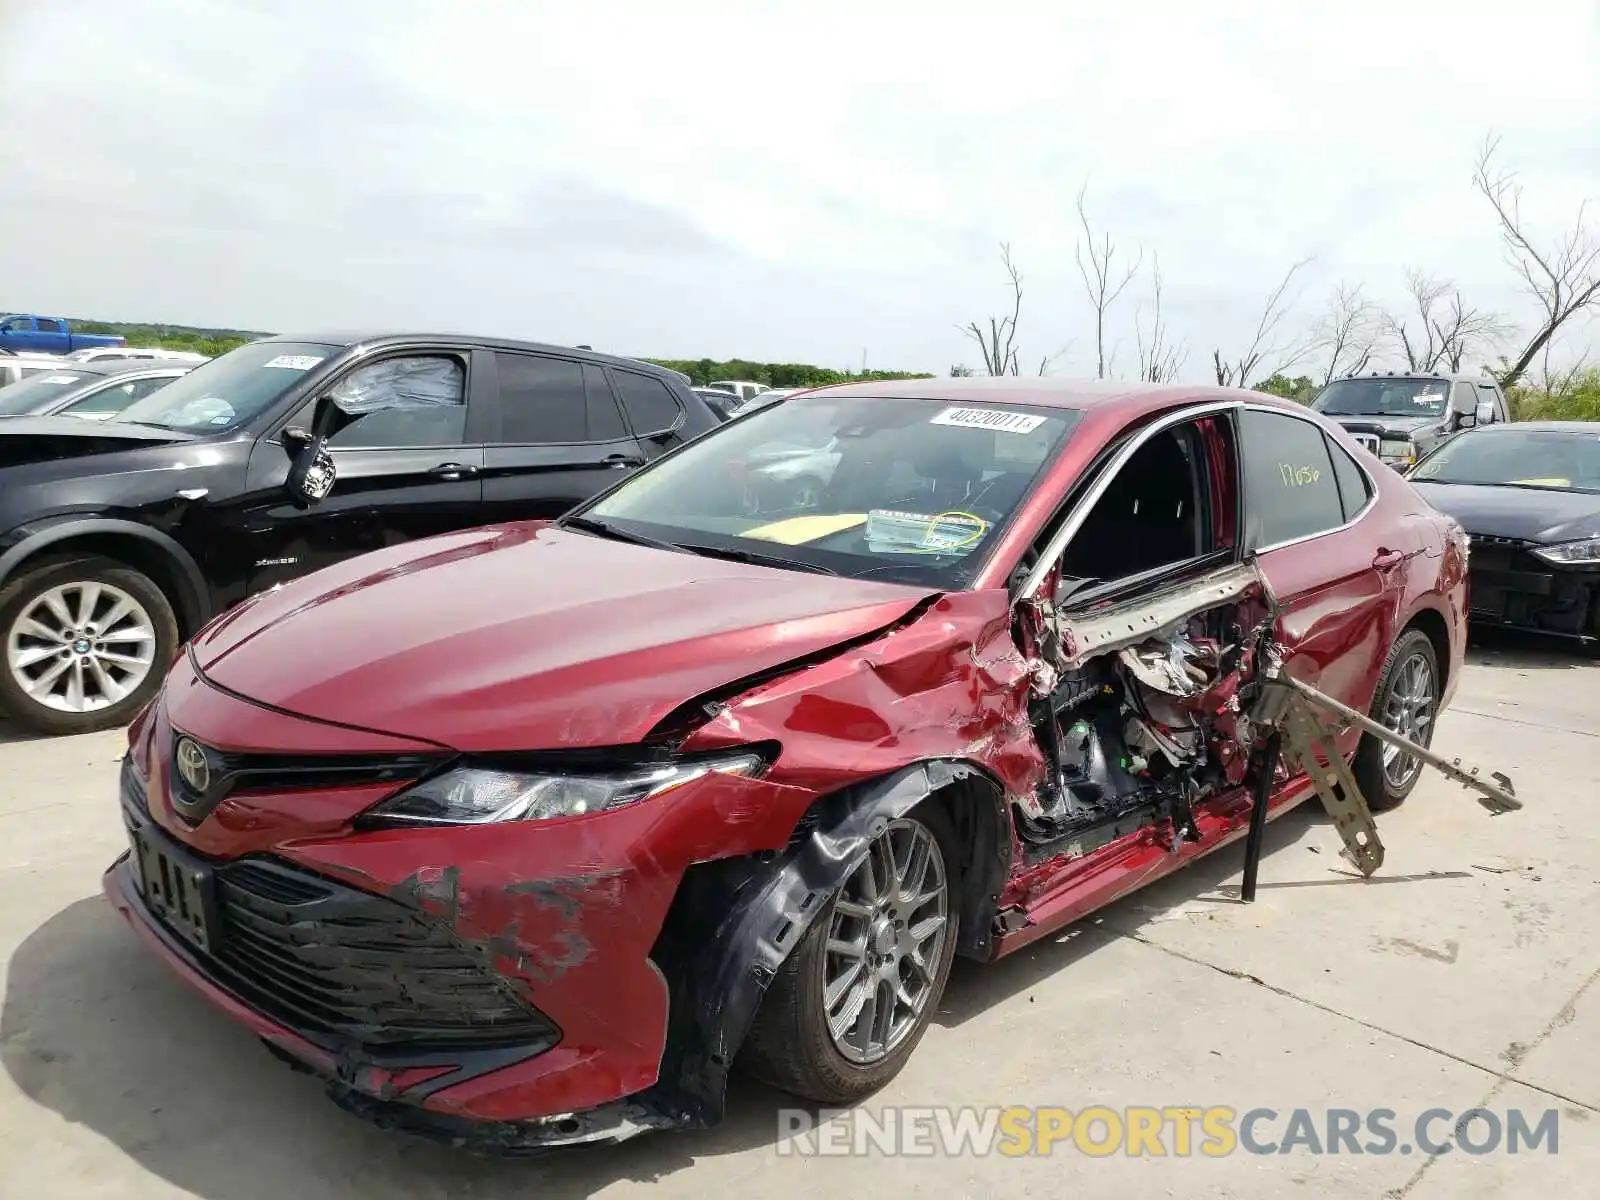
[
  {"x": 119, "y": 539},
  {"x": 48, "y": 335},
  {"x": 1402, "y": 416}
]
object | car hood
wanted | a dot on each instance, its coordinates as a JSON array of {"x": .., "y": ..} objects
[
  {"x": 1382, "y": 425},
  {"x": 45, "y": 439},
  {"x": 1527, "y": 514},
  {"x": 529, "y": 637}
]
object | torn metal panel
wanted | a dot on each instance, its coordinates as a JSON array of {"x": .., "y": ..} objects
[{"x": 1099, "y": 631}]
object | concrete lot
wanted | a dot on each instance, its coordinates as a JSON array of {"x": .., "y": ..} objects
[{"x": 1464, "y": 975}]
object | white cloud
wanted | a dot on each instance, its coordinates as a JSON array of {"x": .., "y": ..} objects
[{"x": 772, "y": 179}]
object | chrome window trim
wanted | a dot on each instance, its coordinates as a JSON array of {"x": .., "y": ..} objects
[{"x": 1057, "y": 545}]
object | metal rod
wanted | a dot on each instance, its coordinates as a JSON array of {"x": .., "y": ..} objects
[
  {"x": 1266, "y": 775},
  {"x": 1496, "y": 797}
]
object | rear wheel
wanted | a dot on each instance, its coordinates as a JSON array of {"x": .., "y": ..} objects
[
  {"x": 1408, "y": 703},
  {"x": 848, "y": 1007},
  {"x": 85, "y": 643}
]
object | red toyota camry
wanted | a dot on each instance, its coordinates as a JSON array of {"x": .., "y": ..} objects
[{"x": 525, "y": 836}]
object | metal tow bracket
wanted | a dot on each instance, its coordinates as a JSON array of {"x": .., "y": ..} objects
[{"x": 1286, "y": 710}]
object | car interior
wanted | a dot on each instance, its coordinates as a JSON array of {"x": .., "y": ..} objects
[{"x": 1151, "y": 515}]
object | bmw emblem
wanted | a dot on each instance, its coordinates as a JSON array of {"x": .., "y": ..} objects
[{"x": 193, "y": 767}]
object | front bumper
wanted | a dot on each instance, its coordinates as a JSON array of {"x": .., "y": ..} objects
[
  {"x": 1513, "y": 588},
  {"x": 501, "y": 987}
]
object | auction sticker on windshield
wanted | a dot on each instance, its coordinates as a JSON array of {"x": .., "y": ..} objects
[
  {"x": 890, "y": 532},
  {"x": 59, "y": 379},
  {"x": 989, "y": 418},
  {"x": 294, "y": 362}
]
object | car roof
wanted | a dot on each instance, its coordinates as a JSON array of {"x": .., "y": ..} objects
[
  {"x": 379, "y": 339},
  {"x": 1042, "y": 391},
  {"x": 1590, "y": 428},
  {"x": 1442, "y": 376},
  {"x": 123, "y": 366}
]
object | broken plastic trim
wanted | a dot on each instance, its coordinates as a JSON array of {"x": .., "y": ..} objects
[{"x": 775, "y": 908}]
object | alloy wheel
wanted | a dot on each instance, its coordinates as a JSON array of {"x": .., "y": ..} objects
[
  {"x": 1408, "y": 711},
  {"x": 81, "y": 647},
  {"x": 886, "y": 937}
]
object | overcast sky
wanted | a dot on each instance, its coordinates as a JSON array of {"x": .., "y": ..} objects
[{"x": 810, "y": 181}]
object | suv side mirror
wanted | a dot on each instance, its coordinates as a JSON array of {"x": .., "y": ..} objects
[
  {"x": 311, "y": 469},
  {"x": 1485, "y": 413}
]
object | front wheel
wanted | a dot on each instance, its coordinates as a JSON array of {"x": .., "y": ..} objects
[
  {"x": 85, "y": 643},
  {"x": 1408, "y": 703},
  {"x": 848, "y": 1007}
]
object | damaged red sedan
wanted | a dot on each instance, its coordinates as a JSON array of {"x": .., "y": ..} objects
[{"x": 525, "y": 836}]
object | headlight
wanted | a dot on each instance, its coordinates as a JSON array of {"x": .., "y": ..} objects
[
  {"x": 1400, "y": 448},
  {"x": 477, "y": 796},
  {"x": 1586, "y": 551}
]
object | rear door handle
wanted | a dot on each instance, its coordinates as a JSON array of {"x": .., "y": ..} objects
[
  {"x": 622, "y": 460},
  {"x": 454, "y": 470},
  {"x": 1388, "y": 558}
]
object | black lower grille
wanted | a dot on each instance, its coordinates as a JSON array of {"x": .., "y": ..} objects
[
  {"x": 328, "y": 959},
  {"x": 338, "y": 964}
]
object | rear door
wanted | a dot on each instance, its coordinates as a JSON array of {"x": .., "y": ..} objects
[
  {"x": 1337, "y": 573},
  {"x": 409, "y": 452},
  {"x": 557, "y": 437}
]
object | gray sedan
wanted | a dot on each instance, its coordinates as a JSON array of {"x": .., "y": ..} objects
[{"x": 95, "y": 391}]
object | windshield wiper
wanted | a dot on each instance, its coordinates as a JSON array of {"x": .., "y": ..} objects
[
  {"x": 758, "y": 559},
  {"x": 604, "y": 529}
]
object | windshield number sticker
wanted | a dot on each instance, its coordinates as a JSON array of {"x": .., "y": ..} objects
[
  {"x": 59, "y": 379},
  {"x": 294, "y": 362},
  {"x": 989, "y": 418}
]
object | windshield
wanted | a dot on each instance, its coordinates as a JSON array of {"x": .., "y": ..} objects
[
  {"x": 913, "y": 491},
  {"x": 1383, "y": 398},
  {"x": 226, "y": 392},
  {"x": 1555, "y": 459},
  {"x": 38, "y": 393}
]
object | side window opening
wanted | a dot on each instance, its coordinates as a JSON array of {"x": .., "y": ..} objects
[
  {"x": 1155, "y": 513},
  {"x": 1291, "y": 490},
  {"x": 417, "y": 400}
]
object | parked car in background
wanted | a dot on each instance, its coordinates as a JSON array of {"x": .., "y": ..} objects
[
  {"x": 524, "y": 836},
  {"x": 94, "y": 391},
  {"x": 1528, "y": 494},
  {"x": 718, "y": 401},
  {"x": 52, "y": 335},
  {"x": 1401, "y": 417},
  {"x": 16, "y": 367},
  {"x": 742, "y": 388},
  {"x": 110, "y": 353},
  {"x": 120, "y": 538},
  {"x": 762, "y": 399}
]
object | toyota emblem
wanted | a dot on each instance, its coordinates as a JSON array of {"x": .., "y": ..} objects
[{"x": 193, "y": 767}]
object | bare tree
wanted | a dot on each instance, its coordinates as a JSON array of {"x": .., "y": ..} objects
[
  {"x": 1160, "y": 359},
  {"x": 998, "y": 343},
  {"x": 1442, "y": 328},
  {"x": 1348, "y": 332},
  {"x": 1564, "y": 277},
  {"x": 1103, "y": 279},
  {"x": 1269, "y": 344}
]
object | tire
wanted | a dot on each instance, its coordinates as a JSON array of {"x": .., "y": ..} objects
[
  {"x": 1389, "y": 706},
  {"x": 791, "y": 1046},
  {"x": 103, "y": 675}
]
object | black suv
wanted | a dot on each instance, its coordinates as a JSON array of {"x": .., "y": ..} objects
[{"x": 119, "y": 539}]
